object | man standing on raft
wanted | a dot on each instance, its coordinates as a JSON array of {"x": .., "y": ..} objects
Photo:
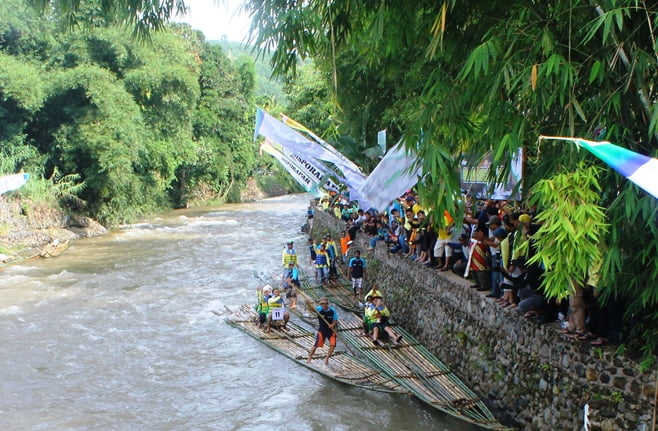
[{"x": 327, "y": 320}]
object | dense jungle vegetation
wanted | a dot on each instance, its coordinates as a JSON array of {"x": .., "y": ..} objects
[
  {"x": 115, "y": 126},
  {"x": 452, "y": 77}
]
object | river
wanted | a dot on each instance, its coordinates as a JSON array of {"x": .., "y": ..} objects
[{"x": 118, "y": 333}]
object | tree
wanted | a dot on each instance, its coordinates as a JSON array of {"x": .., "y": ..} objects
[
  {"x": 144, "y": 15},
  {"x": 134, "y": 122}
]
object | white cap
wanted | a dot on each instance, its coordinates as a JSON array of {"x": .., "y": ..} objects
[{"x": 267, "y": 288}]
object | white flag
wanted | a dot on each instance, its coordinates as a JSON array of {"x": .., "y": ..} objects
[{"x": 395, "y": 173}]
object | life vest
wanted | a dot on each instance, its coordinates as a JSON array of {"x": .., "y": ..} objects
[
  {"x": 367, "y": 312},
  {"x": 377, "y": 314},
  {"x": 289, "y": 256},
  {"x": 262, "y": 306},
  {"x": 274, "y": 302},
  {"x": 331, "y": 249},
  {"x": 321, "y": 259}
]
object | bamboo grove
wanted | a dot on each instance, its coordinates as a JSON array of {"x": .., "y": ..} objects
[{"x": 143, "y": 124}]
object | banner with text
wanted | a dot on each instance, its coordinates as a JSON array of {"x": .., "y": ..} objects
[{"x": 273, "y": 129}]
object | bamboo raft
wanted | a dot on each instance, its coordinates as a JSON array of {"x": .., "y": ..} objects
[
  {"x": 296, "y": 343},
  {"x": 409, "y": 363}
]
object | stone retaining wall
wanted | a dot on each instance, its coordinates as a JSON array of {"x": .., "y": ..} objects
[{"x": 530, "y": 375}]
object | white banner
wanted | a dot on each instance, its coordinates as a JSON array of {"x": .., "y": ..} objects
[
  {"x": 297, "y": 173},
  {"x": 273, "y": 129},
  {"x": 394, "y": 174},
  {"x": 313, "y": 168},
  {"x": 12, "y": 182}
]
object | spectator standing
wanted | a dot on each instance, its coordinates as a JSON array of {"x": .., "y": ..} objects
[
  {"x": 310, "y": 213},
  {"x": 479, "y": 267}
]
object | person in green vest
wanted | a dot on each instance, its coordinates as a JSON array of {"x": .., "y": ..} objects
[{"x": 261, "y": 307}]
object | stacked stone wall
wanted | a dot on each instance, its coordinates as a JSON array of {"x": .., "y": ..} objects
[{"x": 529, "y": 374}]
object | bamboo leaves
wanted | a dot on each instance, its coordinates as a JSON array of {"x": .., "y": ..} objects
[{"x": 572, "y": 228}]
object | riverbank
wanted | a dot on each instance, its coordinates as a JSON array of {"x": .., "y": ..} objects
[
  {"x": 27, "y": 228},
  {"x": 528, "y": 372}
]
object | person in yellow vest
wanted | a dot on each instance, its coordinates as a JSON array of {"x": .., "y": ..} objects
[
  {"x": 442, "y": 249},
  {"x": 332, "y": 251},
  {"x": 379, "y": 316},
  {"x": 288, "y": 256},
  {"x": 325, "y": 202},
  {"x": 274, "y": 302},
  {"x": 374, "y": 292}
]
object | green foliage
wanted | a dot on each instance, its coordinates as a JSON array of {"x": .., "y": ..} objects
[
  {"x": 266, "y": 86},
  {"x": 144, "y": 15},
  {"x": 571, "y": 229},
  {"x": 124, "y": 126}
]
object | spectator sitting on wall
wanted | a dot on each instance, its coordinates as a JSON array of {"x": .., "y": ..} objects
[{"x": 460, "y": 252}]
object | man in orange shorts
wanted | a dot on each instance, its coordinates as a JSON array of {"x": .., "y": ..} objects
[{"x": 327, "y": 320}]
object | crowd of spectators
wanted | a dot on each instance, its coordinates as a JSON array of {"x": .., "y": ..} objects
[{"x": 491, "y": 247}]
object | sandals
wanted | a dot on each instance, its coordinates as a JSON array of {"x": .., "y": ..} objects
[
  {"x": 599, "y": 342},
  {"x": 573, "y": 334}
]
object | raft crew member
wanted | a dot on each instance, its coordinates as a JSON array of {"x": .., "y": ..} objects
[
  {"x": 356, "y": 272},
  {"x": 288, "y": 256},
  {"x": 261, "y": 306},
  {"x": 332, "y": 251},
  {"x": 290, "y": 282},
  {"x": 379, "y": 316},
  {"x": 366, "y": 316},
  {"x": 311, "y": 249},
  {"x": 327, "y": 321},
  {"x": 275, "y": 301},
  {"x": 374, "y": 292},
  {"x": 322, "y": 262}
]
